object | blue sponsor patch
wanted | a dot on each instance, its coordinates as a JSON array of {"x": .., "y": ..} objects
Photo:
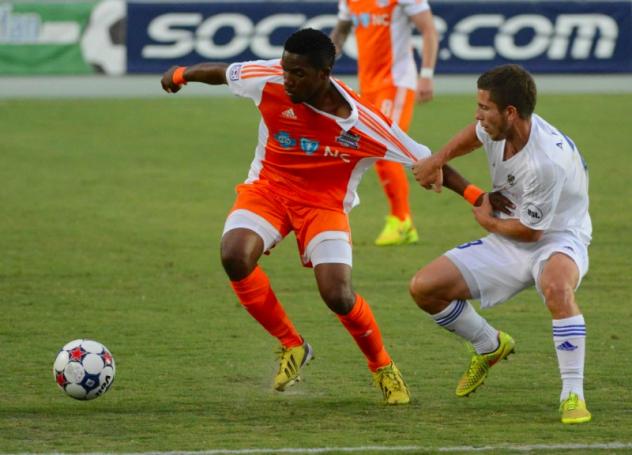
[
  {"x": 309, "y": 146},
  {"x": 285, "y": 140}
]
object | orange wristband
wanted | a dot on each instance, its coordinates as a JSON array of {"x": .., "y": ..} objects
[
  {"x": 178, "y": 76},
  {"x": 472, "y": 193}
]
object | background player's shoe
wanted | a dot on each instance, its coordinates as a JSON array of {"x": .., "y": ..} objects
[
  {"x": 574, "y": 410},
  {"x": 481, "y": 363},
  {"x": 291, "y": 360},
  {"x": 392, "y": 385},
  {"x": 397, "y": 232}
]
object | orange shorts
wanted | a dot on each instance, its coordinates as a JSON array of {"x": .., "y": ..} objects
[
  {"x": 275, "y": 217},
  {"x": 397, "y": 103}
]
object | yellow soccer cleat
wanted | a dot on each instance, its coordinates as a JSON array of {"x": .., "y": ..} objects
[
  {"x": 291, "y": 360},
  {"x": 397, "y": 232},
  {"x": 390, "y": 381},
  {"x": 481, "y": 363},
  {"x": 574, "y": 410}
]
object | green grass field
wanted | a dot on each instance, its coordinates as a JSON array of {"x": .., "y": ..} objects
[{"x": 110, "y": 218}]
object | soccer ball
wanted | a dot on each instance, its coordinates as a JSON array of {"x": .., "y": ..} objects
[
  {"x": 103, "y": 41},
  {"x": 84, "y": 369}
]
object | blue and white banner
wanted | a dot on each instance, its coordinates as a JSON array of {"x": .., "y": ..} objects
[{"x": 544, "y": 36}]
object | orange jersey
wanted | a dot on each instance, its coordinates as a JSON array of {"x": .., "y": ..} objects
[
  {"x": 383, "y": 36},
  {"x": 310, "y": 156}
]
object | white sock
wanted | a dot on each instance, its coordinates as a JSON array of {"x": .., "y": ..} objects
[
  {"x": 461, "y": 318},
  {"x": 569, "y": 338}
]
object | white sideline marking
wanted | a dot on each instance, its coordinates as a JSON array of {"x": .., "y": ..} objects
[{"x": 365, "y": 449}]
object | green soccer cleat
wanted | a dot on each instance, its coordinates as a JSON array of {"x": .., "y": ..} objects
[
  {"x": 481, "y": 363},
  {"x": 397, "y": 232},
  {"x": 291, "y": 360},
  {"x": 574, "y": 410},
  {"x": 392, "y": 385}
]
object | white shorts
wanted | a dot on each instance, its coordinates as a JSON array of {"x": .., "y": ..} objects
[
  {"x": 325, "y": 248},
  {"x": 495, "y": 268}
]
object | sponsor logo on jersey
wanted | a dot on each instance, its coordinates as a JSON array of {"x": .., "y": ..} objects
[
  {"x": 566, "y": 346},
  {"x": 289, "y": 114},
  {"x": 235, "y": 72},
  {"x": 285, "y": 140},
  {"x": 534, "y": 212},
  {"x": 348, "y": 139},
  {"x": 309, "y": 146}
]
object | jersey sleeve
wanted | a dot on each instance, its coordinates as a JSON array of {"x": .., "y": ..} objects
[
  {"x": 248, "y": 79},
  {"x": 542, "y": 194},
  {"x": 412, "y": 7},
  {"x": 404, "y": 149},
  {"x": 343, "y": 11}
]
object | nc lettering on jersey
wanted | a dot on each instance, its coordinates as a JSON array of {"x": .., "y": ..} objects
[
  {"x": 336, "y": 154},
  {"x": 554, "y": 36},
  {"x": 368, "y": 19}
]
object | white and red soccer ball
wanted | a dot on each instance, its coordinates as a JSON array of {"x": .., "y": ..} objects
[{"x": 84, "y": 369}]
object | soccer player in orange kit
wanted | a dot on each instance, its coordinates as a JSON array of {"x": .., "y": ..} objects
[
  {"x": 316, "y": 139},
  {"x": 388, "y": 78}
]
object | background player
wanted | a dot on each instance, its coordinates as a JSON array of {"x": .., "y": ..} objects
[
  {"x": 316, "y": 139},
  {"x": 544, "y": 242},
  {"x": 388, "y": 78}
]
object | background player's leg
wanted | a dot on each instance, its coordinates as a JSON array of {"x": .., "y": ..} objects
[{"x": 397, "y": 103}]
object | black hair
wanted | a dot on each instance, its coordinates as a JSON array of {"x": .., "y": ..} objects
[
  {"x": 510, "y": 85},
  {"x": 315, "y": 45}
]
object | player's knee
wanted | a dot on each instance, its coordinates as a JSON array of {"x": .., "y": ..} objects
[
  {"x": 559, "y": 298},
  {"x": 237, "y": 264},
  {"x": 339, "y": 299},
  {"x": 421, "y": 290}
]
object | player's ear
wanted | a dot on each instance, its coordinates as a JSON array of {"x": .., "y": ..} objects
[{"x": 512, "y": 112}]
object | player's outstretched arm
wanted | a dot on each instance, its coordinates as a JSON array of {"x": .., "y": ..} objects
[
  {"x": 424, "y": 22},
  {"x": 339, "y": 34},
  {"x": 208, "y": 73},
  {"x": 428, "y": 171}
]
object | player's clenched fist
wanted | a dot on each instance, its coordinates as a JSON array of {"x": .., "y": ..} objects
[
  {"x": 173, "y": 79},
  {"x": 428, "y": 173}
]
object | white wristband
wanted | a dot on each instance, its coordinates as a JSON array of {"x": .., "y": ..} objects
[{"x": 426, "y": 73}]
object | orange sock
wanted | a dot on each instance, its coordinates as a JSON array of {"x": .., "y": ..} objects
[
  {"x": 256, "y": 295},
  {"x": 363, "y": 328},
  {"x": 395, "y": 184}
]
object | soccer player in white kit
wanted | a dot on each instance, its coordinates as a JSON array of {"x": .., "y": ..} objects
[{"x": 541, "y": 240}]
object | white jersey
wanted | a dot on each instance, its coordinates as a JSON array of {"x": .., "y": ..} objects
[{"x": 547, "y": 180}]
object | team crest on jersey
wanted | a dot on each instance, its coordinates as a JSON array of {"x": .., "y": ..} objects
[
  {"x": 309, "y": 146},
  {"x": 511, "y": 179},
  {"x": 235, "y": 73},
  {"x": 348, "y": 139},
  {"x": 285, "y": 140}
]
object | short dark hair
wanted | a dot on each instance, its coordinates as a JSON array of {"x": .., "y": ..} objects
[
  {"x": 315, "y": 45},
  {"x": 510, "y": 85}
]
